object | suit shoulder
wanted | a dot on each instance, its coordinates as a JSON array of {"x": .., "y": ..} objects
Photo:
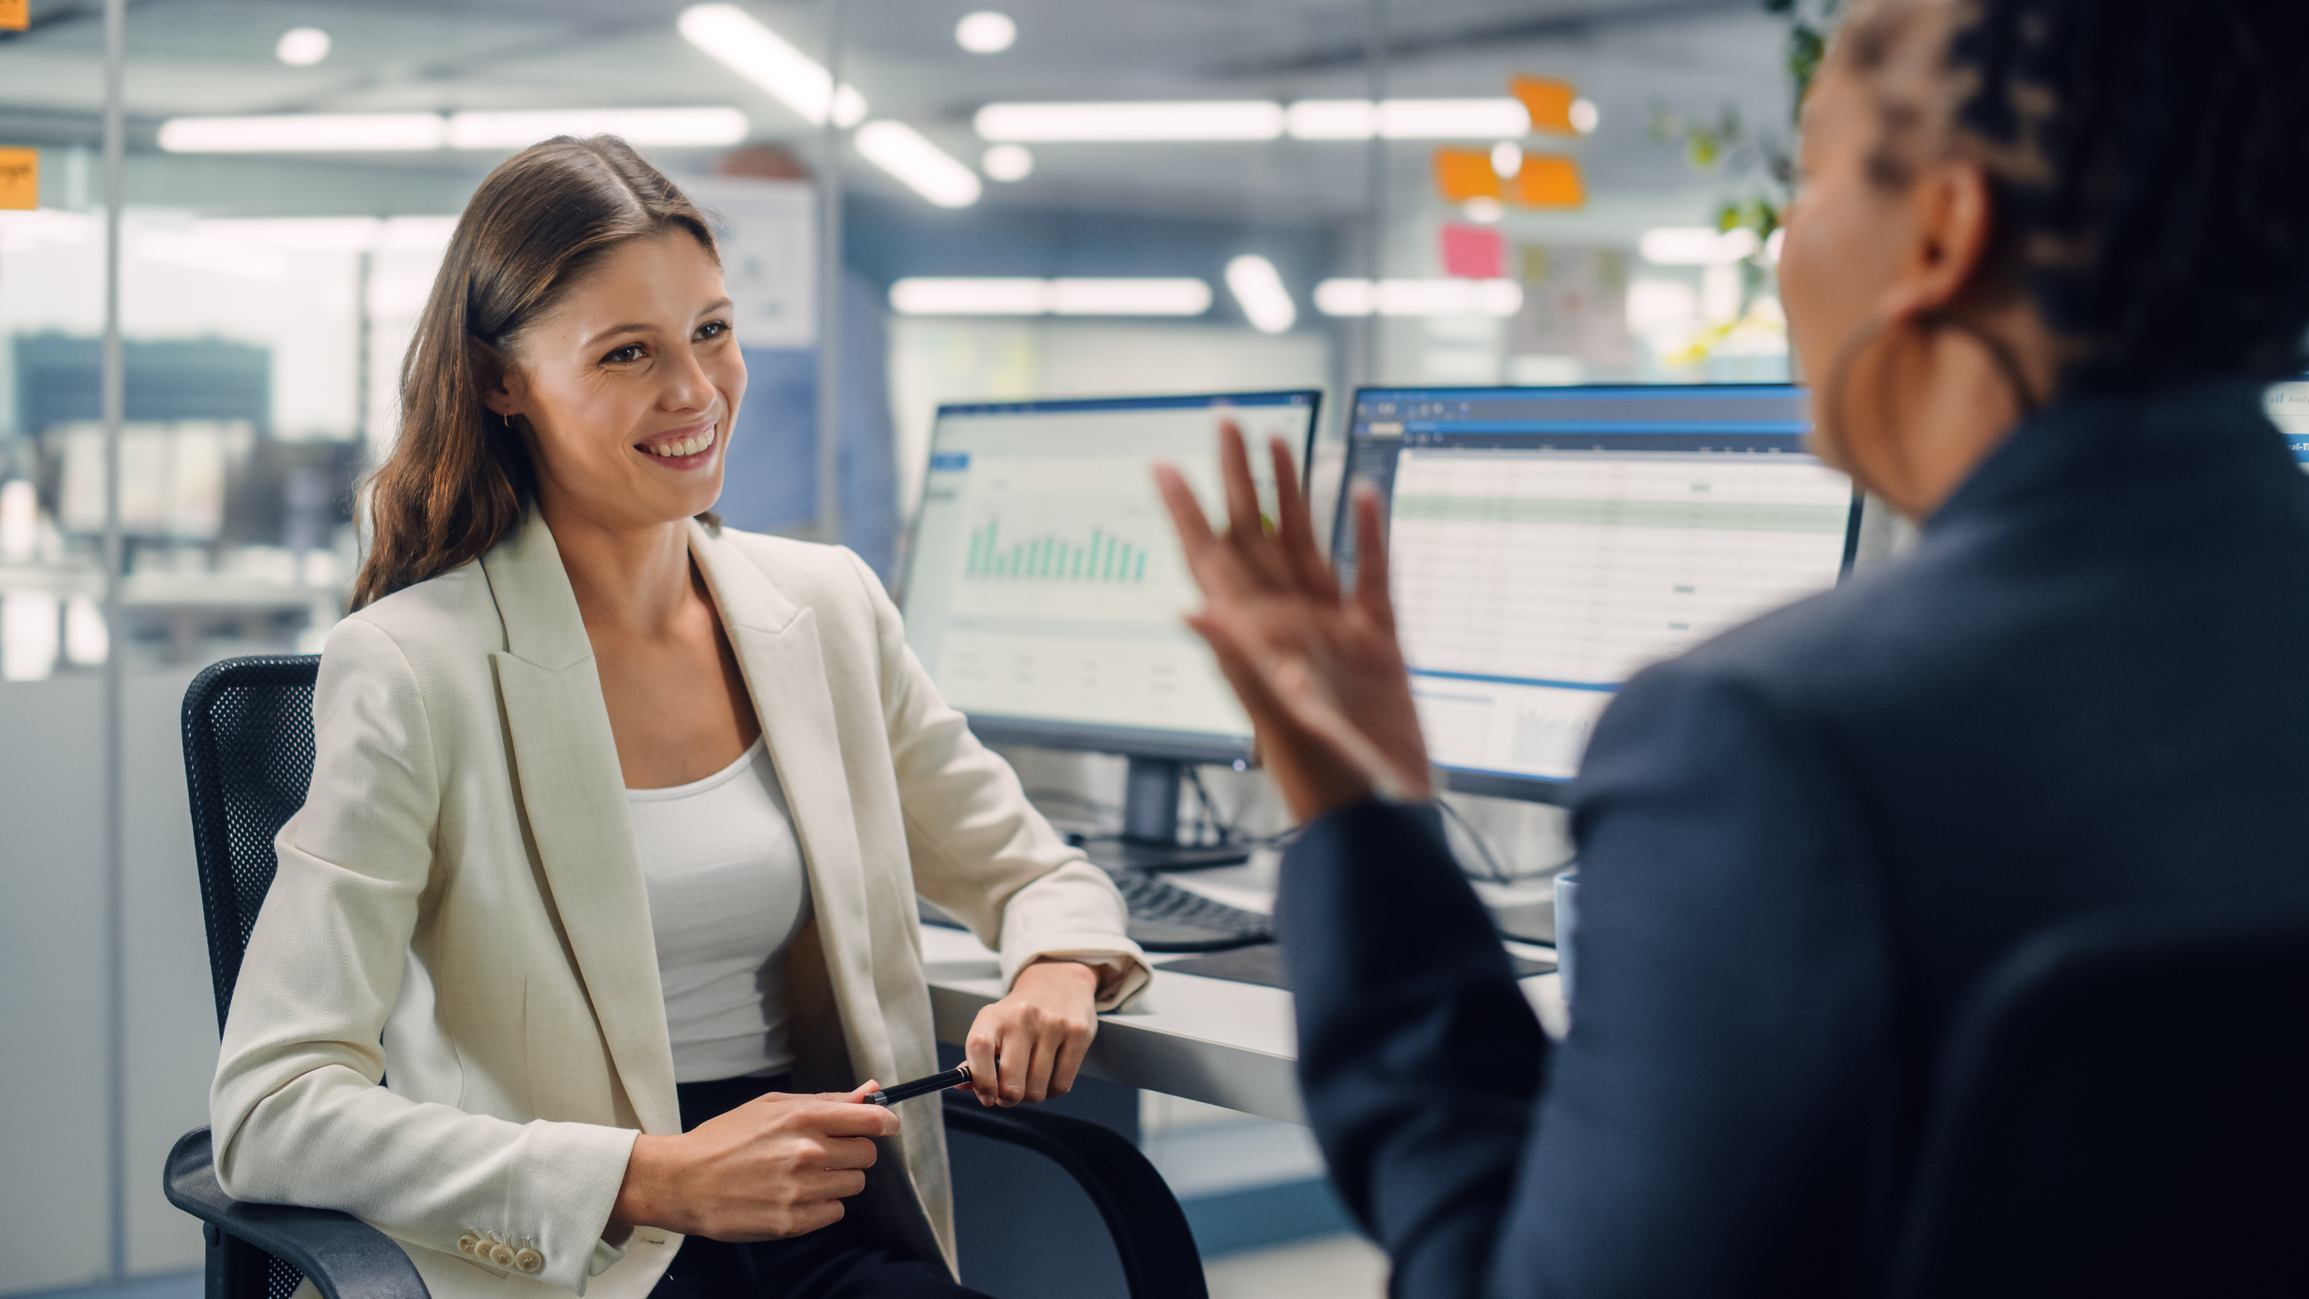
[
  {"x": 450, "y": 614},
  {"x": 810, "y": 571}
]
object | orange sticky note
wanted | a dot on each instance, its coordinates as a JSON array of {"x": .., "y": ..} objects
[
  {"x": 1464, "y": 174},
  {"x": 1550, "y": 181},
  {"x": 15, "y": 15},
  {"x": 1548, "y": 101},
  {"x": 19, "y": 178}
]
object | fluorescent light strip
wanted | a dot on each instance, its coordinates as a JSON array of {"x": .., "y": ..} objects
[
  {"x": 305, "y": 133},
  {"x": 1258, "y": 289},
  {"x": 1697, "y": 246},
  {"x": 648, "y": 127},
  {"x": 770, "y": 61},
  {"x": 1191, "y": 121},
  {"x": 1408, "y": 119},
  {"x": 1181, "y": 121},
  {"x": 1129, "y": 297},
  {"x": 918, "y": 164},
  {"x": 1352, "y": 297},
  {"x": 1061, "y": 297},
  {"x": 426, "y": 132}
]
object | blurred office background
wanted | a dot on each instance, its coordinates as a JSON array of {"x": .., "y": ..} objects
[{"x": 1230, "y": 194}]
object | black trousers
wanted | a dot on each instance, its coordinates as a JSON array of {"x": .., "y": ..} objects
[{"x": 839, "y": 1262}]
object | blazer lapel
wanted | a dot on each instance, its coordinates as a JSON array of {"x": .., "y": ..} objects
[
  {"x": 572, "y": 795},
  {"x": 781, "y": 656}
]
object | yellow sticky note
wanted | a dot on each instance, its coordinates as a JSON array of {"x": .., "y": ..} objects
[
  {"x": 15, "y": 15},
  {"x": 19, "y": 178}
]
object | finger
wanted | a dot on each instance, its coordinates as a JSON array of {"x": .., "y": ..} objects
[
  {"x": 1069, "y": 1061},
  {"x": 850, "y": 1152},
  {"x": 1297, "y": 527},
  {"x": 817, "y": 1217},
  {"x": 1012, "y": 1055},
  {"x": 1214, "y": 570},
  {"x": 1034, "y": 1086},
  {"x": 978, "y": 1047},
  {"x": 1371, "y": 589},
  {"x": 822, "y": 1185},
  {"x": 853, "y": 1096},
  {"x": 1244, "y": 525},
  {"x": 850, "y": 1119}
]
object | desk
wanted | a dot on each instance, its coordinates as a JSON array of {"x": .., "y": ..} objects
[{"x": 1227, "y": 1044}]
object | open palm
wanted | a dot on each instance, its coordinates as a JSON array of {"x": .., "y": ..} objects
[{"x": 1320, "y": 672}]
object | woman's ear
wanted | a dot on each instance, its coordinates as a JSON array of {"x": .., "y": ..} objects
[
  {"x": 504, "y": 394},
  {"x": 1951, "y": 211}
]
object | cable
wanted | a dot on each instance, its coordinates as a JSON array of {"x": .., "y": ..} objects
[{"x": 1493, "y": 871}]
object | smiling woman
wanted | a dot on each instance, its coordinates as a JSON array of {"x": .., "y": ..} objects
[
  {"x": 517, "y": 388},
  {"x": 610, "y": 855}
]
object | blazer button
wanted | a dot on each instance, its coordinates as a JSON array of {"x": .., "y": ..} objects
[
  {"x": 501, "y": 1254},
  {"x": 529, "y": 1261},
  {"x": 467, "y": 1243}
]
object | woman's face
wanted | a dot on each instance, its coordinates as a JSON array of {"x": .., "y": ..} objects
[
  {"x": 630, "y": 384},
  {"x": 1848, "y": 232}
]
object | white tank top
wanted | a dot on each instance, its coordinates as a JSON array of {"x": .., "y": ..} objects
[{"x": 727, "y": 894}]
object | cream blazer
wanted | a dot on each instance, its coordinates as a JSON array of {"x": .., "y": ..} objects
[{"x": 449, "y": 1021}]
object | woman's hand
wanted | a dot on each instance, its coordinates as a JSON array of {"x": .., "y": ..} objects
[
  {"x": 777, "y": 1166},
  {"x": 1322, "y": 677},
  {"x": 1029, "y": 1045}
]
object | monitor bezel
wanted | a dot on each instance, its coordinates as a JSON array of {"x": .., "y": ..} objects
[
  {"x": 1553, "y": 790},
  {"x": 1138, "y": 742}
]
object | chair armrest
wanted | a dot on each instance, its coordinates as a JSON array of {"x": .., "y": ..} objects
[
  {"x": 1150, "y": 1231},
  {"x": 342, "y": 1255}
]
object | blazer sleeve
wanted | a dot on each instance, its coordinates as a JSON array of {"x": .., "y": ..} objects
[
  {"x": 1723, "y": 1077},
  {"x": 980, "y": 849},
  {"x": 297, "y": 1110}
]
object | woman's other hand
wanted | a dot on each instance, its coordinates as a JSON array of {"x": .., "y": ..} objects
[
  {"x": 1029, "y": 1045},
  {"x": 1322, "y": 677},
  {"x": 777, "y": 1166}
]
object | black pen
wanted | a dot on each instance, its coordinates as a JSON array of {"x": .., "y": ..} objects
[{"x": 936, "y": 1082}]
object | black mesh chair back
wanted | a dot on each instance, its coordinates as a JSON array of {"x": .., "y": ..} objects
[
  {"x": 248, "y": 759},
  {"x": 2126, "y": 1112}
]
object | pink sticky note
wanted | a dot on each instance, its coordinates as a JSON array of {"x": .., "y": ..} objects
[{"x": 1474, "y": 252}]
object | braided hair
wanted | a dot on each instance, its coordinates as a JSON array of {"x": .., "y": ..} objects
[{"x": 2148, "y": 163}]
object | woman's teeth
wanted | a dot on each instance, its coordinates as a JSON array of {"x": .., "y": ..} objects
[{"x": 688, "y": 446}]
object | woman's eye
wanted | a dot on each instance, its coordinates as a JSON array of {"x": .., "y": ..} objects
[
  {"x": 713, "y": 329},
  {"x": 628, "y": 353}
]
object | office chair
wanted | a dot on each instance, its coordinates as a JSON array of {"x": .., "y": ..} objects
[
  {"x": 248, "y": 756},
  {"x": 2125, "y": 1111}
]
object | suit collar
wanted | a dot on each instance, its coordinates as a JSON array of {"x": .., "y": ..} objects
[
  {"x": 2089, "y": 440},
  {"x": 539, "y": 608}
]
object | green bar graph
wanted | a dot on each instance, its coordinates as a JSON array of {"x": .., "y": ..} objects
[{"x": 1098, "y": 559}]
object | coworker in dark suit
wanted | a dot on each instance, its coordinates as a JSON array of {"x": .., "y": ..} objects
[{"x": 2043, "y": 254}]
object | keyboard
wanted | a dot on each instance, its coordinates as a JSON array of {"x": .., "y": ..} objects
[{"x": 1167, "y": 918}]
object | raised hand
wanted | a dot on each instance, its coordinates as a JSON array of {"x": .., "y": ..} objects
[{"x": 1321, "y": 674}]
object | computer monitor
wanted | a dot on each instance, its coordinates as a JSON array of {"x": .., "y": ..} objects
[
  {"x": 1546, "y": 543},
  {"x": 2289, "y": 409},
  {"x": 1044, "y": 588}
]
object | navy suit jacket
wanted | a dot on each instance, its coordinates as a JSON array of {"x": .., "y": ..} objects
[{"x": 1802, "y": 846}]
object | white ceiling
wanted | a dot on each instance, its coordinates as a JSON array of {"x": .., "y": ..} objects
[{"x": 1630, "y": 56}]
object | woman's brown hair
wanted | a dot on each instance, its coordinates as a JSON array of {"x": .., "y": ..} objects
[{"x": 459, "y": 478}]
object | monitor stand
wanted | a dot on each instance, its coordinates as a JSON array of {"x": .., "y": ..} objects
[{"x": 1150, "y": 826}]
